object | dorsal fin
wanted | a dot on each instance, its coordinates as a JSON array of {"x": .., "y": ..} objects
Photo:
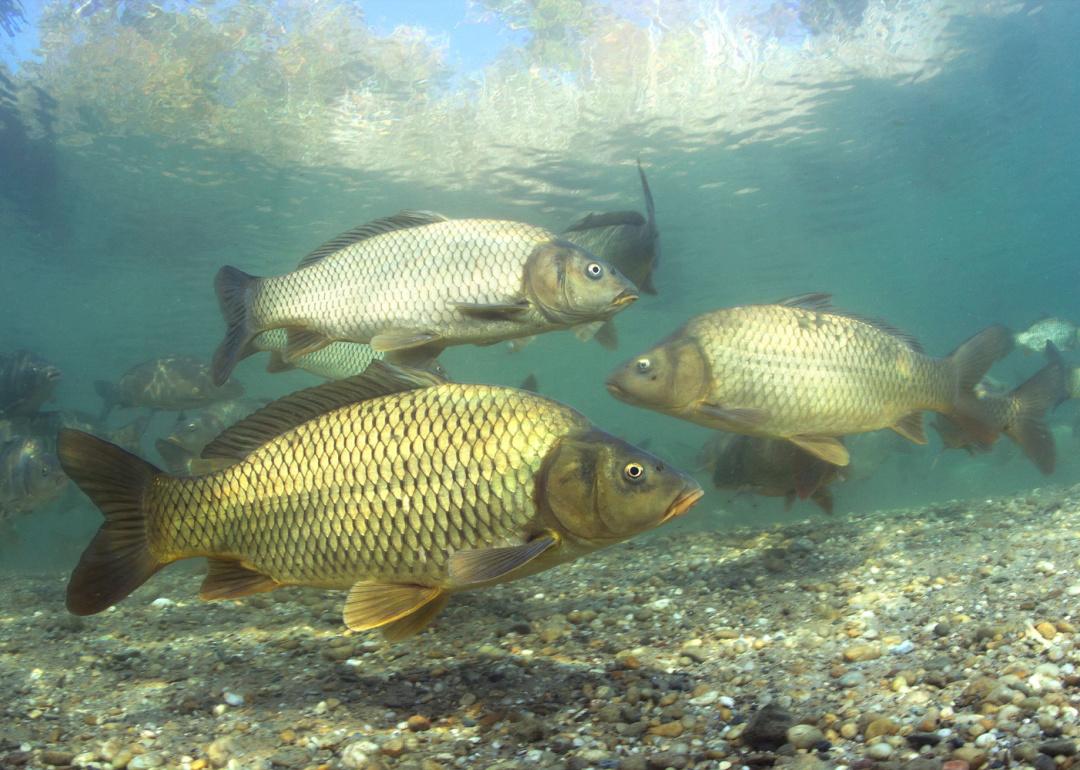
[
  {"x": 606, "y": 219},
  {"x": 822, "y": 303},
  {"x": 379, "y": 379},
  {"x": 402, "y": 220}
]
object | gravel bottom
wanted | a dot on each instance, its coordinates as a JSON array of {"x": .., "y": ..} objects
[{"x": 940, "y": 637}]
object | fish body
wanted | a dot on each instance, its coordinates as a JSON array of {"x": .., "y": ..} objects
[
  {"x": 772, "y": 468},
  {"x": 336, "y": 361},
  {"x": 30, "y": 476},
  {"x": 403, "y": 488},
  {"x": 27, "y": 381},
  {"x": 1019, "y": 414},
  {"x": 799, "y": 371},
  {"x": 1061, "y": 333},
  {"x": 416, "y": 283},
  {"x": 173, "y": 383},
  {"x": 192, "y": 432},
  {"x": 626, "y": 239}
]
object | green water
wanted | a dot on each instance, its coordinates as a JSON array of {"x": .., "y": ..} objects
[{"x": 941, "y": 196}]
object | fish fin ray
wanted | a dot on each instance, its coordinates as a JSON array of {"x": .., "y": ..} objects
[
  {"x": 372, "y": 604},
  {"x": 403, "y": 220},
  {"x": 402, "y": 339},
  {"x": 174, "y": 455},
  {"x": 480, "y": 565},
  {"x": 118, "y": 559},
  {"x": 277, "y": 363},
  {"x": 827, "y": 448},
  {"x": 379, "y": 379},
  {"x": 410, "y": 625},
  {"x": 910, "y": 426},
  {"x": 824, "y": 499},
  {"x": 493, "y": 311},
  {"x": 299, "y": 342},
  {"x": 230, "y": 579},
  {"x": 607, "y": 335},
  {"x": 738, "y": 417},
  {"x": 595, "y": 220},
  {"x": 530, "y": 383},
  {"x": 647, "y": 284},
  {"x": 234, "y": 289},
  {"x": 817, "y": 300},
  {"x": 971, "y": 361},
  {"x": 1042, "y": 392}
]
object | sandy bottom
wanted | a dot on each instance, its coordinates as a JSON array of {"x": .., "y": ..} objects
[{"x": 920, "y": 638}]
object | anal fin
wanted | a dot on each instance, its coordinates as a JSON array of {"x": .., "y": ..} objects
[
  {"x": 277, "y": 363},
  {"x": 911, "y": 427},
  {"x": 827, "y": 448},
  {"x": 300, "y": 342},
  {"x": 229, "y": 579},
  {"x": 373, "y": 604}
]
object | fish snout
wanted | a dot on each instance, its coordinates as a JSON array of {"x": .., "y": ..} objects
[
  {"x": 624, "y": 298},
  {"x": 684, "y": 502}
]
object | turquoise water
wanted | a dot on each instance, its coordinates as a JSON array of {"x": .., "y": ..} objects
[{"x": 929, "y": 179}]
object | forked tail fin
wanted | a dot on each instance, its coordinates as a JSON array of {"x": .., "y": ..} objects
[
  {"x": 234, "y": 290},
  {"x": 1042, "y": 392},
  {"x": 971, "y": 361},
  {"x": 118, "y": 559}
]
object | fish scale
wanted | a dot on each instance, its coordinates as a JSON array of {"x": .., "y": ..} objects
[{"x": 381, "y": 511}]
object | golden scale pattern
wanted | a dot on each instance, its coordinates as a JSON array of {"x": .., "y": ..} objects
[
  {"x": 388, "y": 487},
  {"x": 848, "y": 373},
  {"x": 408, "y": 278}
]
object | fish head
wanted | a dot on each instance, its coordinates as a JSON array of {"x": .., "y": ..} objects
[
  {"x": 600, "y": 490},
  {"x": 35, "y": 371},
  {"x": 34, "y": 472},
  {"x": 570, "y": 286},
  {"x": 669, "y": 378}
]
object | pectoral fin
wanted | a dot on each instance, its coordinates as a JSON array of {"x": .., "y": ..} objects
[
  {"x": 911, "y": 427},
  {"x": 607, "y": 335},
  {"x": 494, "y": 311},
  {"x": 410, "y": 625},
  {"x": 229, "y": 579},
  {"x": 277, "y": 363},
  {"x": 481, "y": 565},
  {"x": 734, "y": 418},
  {"x": 402, "y": 339},
  {"x": 827, "y": 448},
  {"x": 372, "y": 604}
]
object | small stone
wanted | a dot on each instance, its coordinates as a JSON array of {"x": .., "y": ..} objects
[
  {"x": 161, "y": 603},
  {"x": 234, "y": 699},
  {"x": 879, "y": 750},
  {"x": 804, "y": 736},
  {"x": 667, "y": 759},
  {"x": 976, "y": 758},
  {"x": 1046, "y": 630},
  {"x": 354, "y": 756},
  {"x": 860, "y": 652},
  {"x": 1059, "y": 747},
  {"x": 767, "y": 728},
  {"x": 418, "y": 723},
  {"x": 955, "y": 764},
  {"x": 880, "y": 727},
  {"x": 219, "y": 752},
  {"x": 705, "y": 699},
  {"x": 851, "y": 679},
  {"x": 849, "y": 730},
  {"x": 903, "y": 648},
  {"x": 54, "y": 758},
  {"x": 393, "y": 748},
  {"x": 633, "y": 762},
  {"x": 146, "y": 761},
  {"x": 667, "y": 729}
]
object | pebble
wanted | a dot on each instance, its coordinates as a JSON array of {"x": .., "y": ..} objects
[
  {"x": 233, "y": 699},
  {"x": 161, "y": 603},
  {"x": 903, "y": 648},
  {"x": 393, "y": 748},
  {"x": 879, "y": 750},
  {"x": 51, "y": 757},
  {"x": 767, "y": 728},
  {"x": 1056, "y": 748},
  {"x": 418, "y": 723},
  {"x": 219, "y": 752},
  {"x": 355, "y": 755},
  {"x": 857, "y": 653},
  {"x": 146, "y": 761},
  {"x": 804, "y": 736}
]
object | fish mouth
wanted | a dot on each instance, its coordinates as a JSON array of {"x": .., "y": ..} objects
[
  {"x": 53, "y": 374},
  {"x": 614, "y": 389},
  {"x": 624, "y": 298},
  {"x": 682, "y": 504}
]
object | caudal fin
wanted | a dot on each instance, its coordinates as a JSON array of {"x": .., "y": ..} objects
[
  {"x": 118, "y": 559},
  {"x": 234, "y": 290},
  {"x": 971, "y": 361},
  {"x": 1042, "y": 392}
]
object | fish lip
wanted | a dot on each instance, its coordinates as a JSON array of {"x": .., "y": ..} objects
[
  {"x": 614, "y": 389},
  {"x": 683, "y": 503},
  {"x": 624, "y": 298},
  {"x": 53, "y": 374}
]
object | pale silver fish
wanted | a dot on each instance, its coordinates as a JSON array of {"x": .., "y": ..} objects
[
  {"x": 415, "y": 283},
  {"x": 336, "y": 361},
  {"x": 1060, "y": 332},
  {"x": 30, "y": 476}
]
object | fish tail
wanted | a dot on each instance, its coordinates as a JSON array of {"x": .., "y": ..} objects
[
  {"x": 118, "y": 559},
  {"x": 234, "y": 291},
  {"x": 1042, "y": 392},
  {"x": 970, "y": 362},
  {"x": 110, "y": 397}
]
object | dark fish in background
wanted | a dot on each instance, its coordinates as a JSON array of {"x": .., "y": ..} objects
[
  {"x": 626, "y": 239},
  {"x": 46, "y": 425},
  {"x": 530, "y": 383},
  {"x": 26, "y": 382},
  {"x": 770, "y": 467},
  {"x": 174, "y": 383},
  {"x": 415, "y": 283},
  {"x": 1059, "y": 332},
  {"x": 30, "y": 476},
  {"x": 1020, "y": 414},
  {"x": 451, "y": 487},
  {"x": 191, "y": 433},
  {"x": 799, "y": 371}
]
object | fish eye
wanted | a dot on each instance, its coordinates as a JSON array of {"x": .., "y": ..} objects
[
  {"x": 594, "y": 270},
  {"x": 644, "y": 365},
  {"x": 634, "y": 472}
]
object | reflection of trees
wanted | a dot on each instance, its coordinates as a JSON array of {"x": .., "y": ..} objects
[{"x": 11, "y": 16}]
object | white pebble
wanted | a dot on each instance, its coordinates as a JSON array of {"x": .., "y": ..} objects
[
  {"x": 727, "y": 701},
  {"x": 161, "y": 603},
  {"x": 660, "y": 604},
  {"x": 234, "y": 699},
  {"x": 903, "y": 648},
  {"x": 986, "y": 740},
  {"x": 879, "y": 750},
  {"x": 706, "y": 699}
]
